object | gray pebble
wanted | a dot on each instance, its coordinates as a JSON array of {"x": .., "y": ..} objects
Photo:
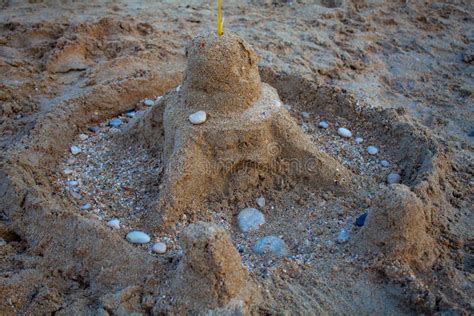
[
  {"x": 115, "y": 122},
  {"x": 131, "y": 114},
  {"x": 372, "y": 150},
  {"x": 198, "y": 118},
  {"x": 93, "y": 129},
  {"x": 323, "y": 124},
  {"x": 148, "y": 102},
  {"x": 68, "y": 171},
  {"x": 344, "y": 132},
  {"x": 85, "y": 206},
  {"x": 342, "y": 237},
  {"x": 261, "y": 201},
  {"x": 272, "y": 245},
  {"x": 385, "y": 163},
  {"x": 75, "y": 150},
  {"x": 113, "y": 223},
  {"x": 72, "y": 183},
  {"x": 83, "y": 137},
  {"x": 159, "y": 247},
  {"x": 137, "y": 237},
  {"x": 305, "y": 115},
  {"x": 393, "y": 177},
  {"x": 250, "y": 219},
  {"x": 359, "y": 140}
]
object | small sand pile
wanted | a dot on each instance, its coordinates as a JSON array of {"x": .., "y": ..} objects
[{"x": 211, "y": 274}]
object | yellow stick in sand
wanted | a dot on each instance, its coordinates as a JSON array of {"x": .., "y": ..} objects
[{"x": 220, "y": 25}]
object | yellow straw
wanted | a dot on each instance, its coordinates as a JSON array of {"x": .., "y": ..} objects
[{"x": 219, "y": 19}]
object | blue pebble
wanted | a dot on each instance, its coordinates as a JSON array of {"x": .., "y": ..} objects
[
  {"x": 271, "y": 244},
  {"x": 131, "y": 114},
  {"x": 115, "y": 122},
  {"x": 361, "y": 219}
]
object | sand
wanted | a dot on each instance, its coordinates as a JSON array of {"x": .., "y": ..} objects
[{"x": 398, "y": 74}]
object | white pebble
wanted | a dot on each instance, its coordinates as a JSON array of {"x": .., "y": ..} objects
[
  {"x": 148, "y": 102},
  {"x": 113, "y": 223},
  {"x": 178, "y": 88},
  {"x": 83, "y": 136},
  {"x": 159, "y": 247},
  {"x": 323, "y": 124},
  {"x": 385, "y": 163},
  {"x": 198, "y": 118},
  {"x": 75, "y": 150},
  {"x": 137, "y": 237},
  {"x": 372, "y": 150},
  {"x": 68, "y": 171},
  {"x": 261, "y": 201},
  {"x": 359, "y": 140},
  {"x": 344, "y": 132},
  {"x": 393, "y": 177}
]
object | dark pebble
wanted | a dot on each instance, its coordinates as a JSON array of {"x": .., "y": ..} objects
[{"x": 360, "y": 221}]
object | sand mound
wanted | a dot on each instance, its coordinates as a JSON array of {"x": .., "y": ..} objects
[
  {"x": 249, "y": 139},
  {"x": 397, "y": 227}
]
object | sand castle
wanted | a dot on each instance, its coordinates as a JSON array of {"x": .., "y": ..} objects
[{"x": 249, "y": 139}]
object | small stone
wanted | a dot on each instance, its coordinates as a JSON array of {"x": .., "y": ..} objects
[
  {"x": 342, "y": 237},
  {"x": 85, "y": 206},
  {"x": 359, "y": 140},
  {"x": 131, "y": 114},
  {"x": 393, "y": 177},
  {"x": 72, "y": 183},
  {"x": 323, "y": 124},
  {"x": 261, "y": 201},
  {"x": 115, "y": 122},
  {"x": 287, "y": 107},
  {"x": 372, "y": 150},
  {"x": 385, "y": 163},
  {"x": 75, "y": 195},
  {"x": 178, "y": 88},
  {"x": 2, "y": 242},
  {"x": 250, "y": 219},
  {"x": 305, "y": 127},
  {"x": 93, "y": 129},
  {"x": 68, "y": 171},
  {"x": 137, "y": 237},
  {"x": 159, "y": 247},
  {"x": 113, "y": 223},
  {"x": 148, "y": 102},
  {"x": 83, "y": 137},
  {"x": 197, "y": 118},
  {"x": 75, "y": 150},
  {"x": 360, "y": 221},
  {"x": 344, "y": 132},
  {"x": 305, "y": 115},
  {"x": 272, "y": 245}
]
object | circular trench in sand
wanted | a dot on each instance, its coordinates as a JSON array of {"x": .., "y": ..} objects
[{"x": 119, "y": 177}]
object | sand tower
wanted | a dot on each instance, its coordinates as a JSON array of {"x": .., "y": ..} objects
[{"x": 249, "y": 139}]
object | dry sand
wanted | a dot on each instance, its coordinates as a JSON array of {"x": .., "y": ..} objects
[{"x": 397, "y": 73}]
